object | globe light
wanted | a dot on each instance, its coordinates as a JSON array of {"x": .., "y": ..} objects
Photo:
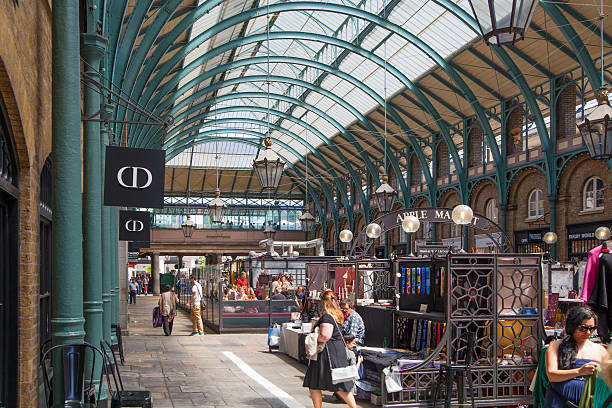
[
  {"x": 373, "y": 231},
  {"x": 411, "y": 224},
  {"x": 550, "y": 238},
  {"x": 602, "y": 233},
  {"x": 462, "y": 214},
  {"x": 346, "y": 236}
]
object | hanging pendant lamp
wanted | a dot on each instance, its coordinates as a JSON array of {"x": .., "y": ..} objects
[
  {"x": 502, "y": 22},
  {"x": 307, "y": 220}
]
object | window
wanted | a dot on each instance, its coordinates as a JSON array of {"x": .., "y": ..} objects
[
  {"x": 592, "y": 195},
  {"x": 491, "y": 211},
  {"x": 536, "y": 204},
  {"x": 456, "y": 230}
]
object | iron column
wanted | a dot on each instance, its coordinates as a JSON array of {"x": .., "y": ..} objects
[
  {"x": 107, "y": 289},
  {"x": 67, "y": 304}
]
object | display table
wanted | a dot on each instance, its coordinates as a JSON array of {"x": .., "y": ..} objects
[{"x": 292, "y": 342}]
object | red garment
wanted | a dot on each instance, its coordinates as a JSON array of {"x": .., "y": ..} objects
[
  {"x": 243, "y": 282},
  {"x": 590, "y": 273}
]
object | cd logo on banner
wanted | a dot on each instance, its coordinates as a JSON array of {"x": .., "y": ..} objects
[
  {"x": 134, "y": 226},
  {"x": 135, "y": 171}
]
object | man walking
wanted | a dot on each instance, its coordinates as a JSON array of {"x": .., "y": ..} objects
[
  {"x": 196, "y": 317},
  {"x": 133, "y": 290}
]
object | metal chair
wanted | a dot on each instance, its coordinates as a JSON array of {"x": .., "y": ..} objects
[
  {"x": 73, "y": 356},
  {"x": 119, "y": 346},
  {"x": 119, "y": 396}
]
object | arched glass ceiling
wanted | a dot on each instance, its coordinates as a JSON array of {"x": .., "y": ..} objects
[{"x": 441, "y": 29}]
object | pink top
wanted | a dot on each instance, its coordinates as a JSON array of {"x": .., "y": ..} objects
[{"x": 590, "y": 273}]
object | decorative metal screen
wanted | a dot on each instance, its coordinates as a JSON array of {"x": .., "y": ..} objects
[{"x": 494, "y": 318}]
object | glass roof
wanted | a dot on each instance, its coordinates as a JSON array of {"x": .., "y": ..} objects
[{"x": 433, "y": 24}]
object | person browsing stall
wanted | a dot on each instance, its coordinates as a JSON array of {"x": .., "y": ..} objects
[
  {"x": 572, "y": 358},
  {"x": 353, "y": 323},
  {"x": 278, "y": 295}
]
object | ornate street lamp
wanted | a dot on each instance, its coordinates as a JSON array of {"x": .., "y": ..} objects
[
  {"x": 269, "y": 167},
  {"x": 503, "y": 22},
  {"x": 346, "y": 236},
  {"x": 385, "y": 196},
  {"x": 188, "y": 226},
  {"x": 550, "y": 238},
  {"x": 217, "y": 208},
  {"x": 596, "y": 130},
  {"x": 307, "y": 221},
  {"x": 269, "y": 232},
  {"x": 462, "y": 215}
]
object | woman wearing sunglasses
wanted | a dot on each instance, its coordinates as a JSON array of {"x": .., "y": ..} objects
[{"x": 569, "y": 360}]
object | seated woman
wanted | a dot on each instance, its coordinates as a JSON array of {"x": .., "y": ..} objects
[
  {"x": 241, "y": 295},
  {"x": 307, "y": 308},
  {"x": 570, "y": 359}
]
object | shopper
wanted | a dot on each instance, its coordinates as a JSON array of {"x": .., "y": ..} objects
[
  {"x": 572, "y": 358},
  {"x": 318, "y": 375},
  {"x": 251, "y": 294},
  {"x": 241, "y": 295},
  {"x": 307, "y": 308},
  {"x": 133, "y": 290},
  {"x": 278, "y": 295},
  {"x": 167, "y": 307},
  {"x": 196, "y": 317},
  {"x": 139, "y": 283},
  {"x": 353, "y": 323},
  {"x": 243, "y": 281}
]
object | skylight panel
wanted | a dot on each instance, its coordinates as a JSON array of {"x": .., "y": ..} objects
[
  {"x": 341, "y": 115},
  {"x": 360, "y": 100}
]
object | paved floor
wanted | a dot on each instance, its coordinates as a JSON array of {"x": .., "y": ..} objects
[{"x": 228, "y": 370}]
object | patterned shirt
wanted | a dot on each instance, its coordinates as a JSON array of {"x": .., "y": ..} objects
[{"x": 353, "y": 324}]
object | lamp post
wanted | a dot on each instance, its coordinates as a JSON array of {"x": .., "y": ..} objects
[
  {"x": 602, "y": 233},
  {"x": 550, "y": 238},
  {"x": 501, "y": 22},
  {"x": 410, "y": 225},
  {"x": 462, "y": 215},
  {"x": 346, "y": 236}
]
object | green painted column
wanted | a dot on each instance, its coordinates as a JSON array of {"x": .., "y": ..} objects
[
  {"x": 553, "y": 223},
  {"x": 115, "y": 259},
  {"x": 67, "y": 304},
  {"x": 92, "y": 50},
  {"x": 107, "y": 288}
]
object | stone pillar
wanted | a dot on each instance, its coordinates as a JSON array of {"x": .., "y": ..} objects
[
  {"x": 180, "y": 261},
  {"x": 67, "y": 302},
  {"x": 155, "y": 272}
]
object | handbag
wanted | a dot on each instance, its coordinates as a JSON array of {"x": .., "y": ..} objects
[
  {"x": 157, "y": 317},
  {"x": 312, "y": 346},
  {"x": 202, "y": 301},
  {"x": 342, "y": 374}
]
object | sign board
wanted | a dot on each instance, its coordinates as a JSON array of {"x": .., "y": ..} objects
[
  {"x": 134, "y": 177},
  {"x": 134, "y": 225},
  {"x": 134, "y": 249}
]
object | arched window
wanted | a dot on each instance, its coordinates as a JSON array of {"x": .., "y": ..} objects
[
  {"x": 491, "y": 211},
  {"x": 456, "y": 230},
  {"x": 536, "y": 203},
  {"x": 592, "y": 195}
]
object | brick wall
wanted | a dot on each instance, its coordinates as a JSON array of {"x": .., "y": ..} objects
[
  {"x": 442, "y": 160},
  {"x": 514, "y": 125},
  {"x": 25, "y": 86},
  {"x": 566, "y": 113},
  {"x": 449, "y": 199},
  {"x": 475, "y": 147},
  {"x": 415, "y": 171},
  {"x": 522, "y": 185}
]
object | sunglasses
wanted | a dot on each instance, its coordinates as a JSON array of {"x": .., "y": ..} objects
[{"x": 584, "y": 328}]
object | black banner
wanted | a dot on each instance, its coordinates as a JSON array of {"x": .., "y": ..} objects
[
  {"x": 134, "y": 225},
  {"x": 134, "y": 177}
]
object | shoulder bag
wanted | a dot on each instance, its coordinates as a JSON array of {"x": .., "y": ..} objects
[
  {"x": 202, "y": 301},
  {"x": 342, "y": 374}
]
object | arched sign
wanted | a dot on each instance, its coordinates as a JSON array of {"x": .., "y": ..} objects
[{"x": 394, "y": 220}]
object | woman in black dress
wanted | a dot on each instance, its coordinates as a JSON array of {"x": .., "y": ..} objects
[{"x": 318, "y": 375}]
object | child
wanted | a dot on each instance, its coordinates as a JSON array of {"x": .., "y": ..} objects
[{"x": 349, "y": 339}]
